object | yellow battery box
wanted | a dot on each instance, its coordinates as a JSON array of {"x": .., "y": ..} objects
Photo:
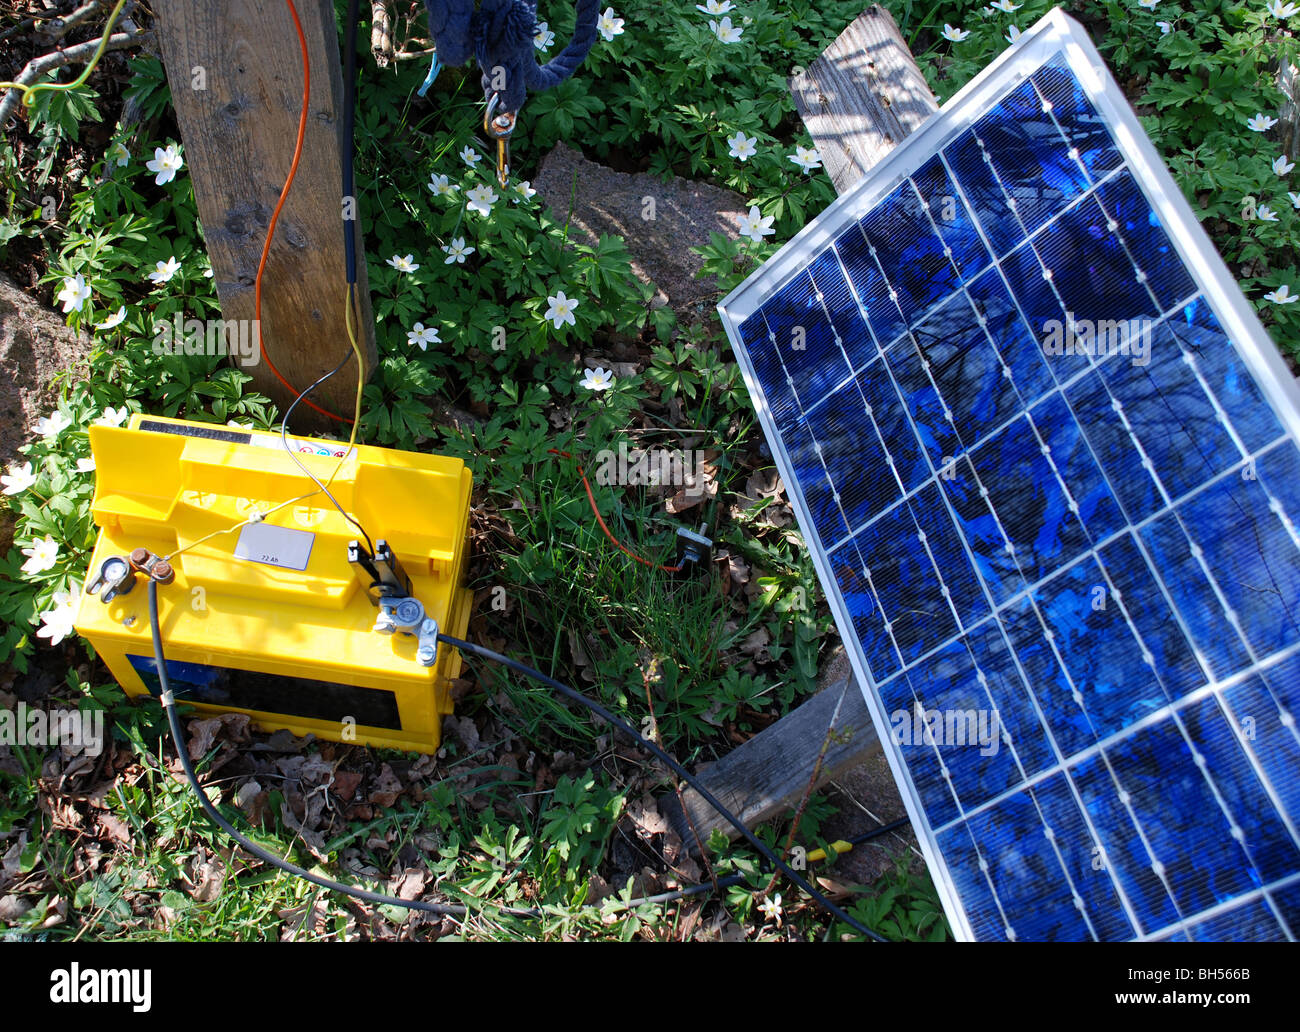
[{"x": 280, "y": 618}]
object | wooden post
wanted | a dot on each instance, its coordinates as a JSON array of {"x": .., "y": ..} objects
[
  {"x": 862, "y": 97},
  {"x": 859, "y": 99},
  {"x": 235, "y": 71}
]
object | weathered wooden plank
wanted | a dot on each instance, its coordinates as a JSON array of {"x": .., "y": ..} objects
[
  {"x": 862, "y": 96},
  {"x": 235, "y": 71},
  {"x": 859, "y": 100},
  {"x": 770, "y": 773}
]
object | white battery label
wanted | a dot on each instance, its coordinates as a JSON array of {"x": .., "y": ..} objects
[{"x": 275, "y": 546}]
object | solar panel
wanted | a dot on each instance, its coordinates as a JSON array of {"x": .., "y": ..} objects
[{"x": 1045, "y": 458}]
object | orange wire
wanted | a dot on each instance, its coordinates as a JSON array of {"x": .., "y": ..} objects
[
  {"x": 275, "y": 217},
  {"x": 592, "y": 499}
]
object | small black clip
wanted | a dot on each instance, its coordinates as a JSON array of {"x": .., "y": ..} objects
[{"x": 386, "y": 578}]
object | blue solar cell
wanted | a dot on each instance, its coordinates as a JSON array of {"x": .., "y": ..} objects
[
  {"x": 1198, "y": 333},
  {"x": 1287, "y": 902},
  {"x": 959, "y": 717},
  {"x": 1114, "y": 447},
  {"x": 1092, "y": 271},
  {"x": 847, "y": 324},
  {"x": 804, "y": 340},
  {"x": 1273, "y": 853},
  {"x": 993, "y": 561},
  {"x": 1031, "y": 158},
  {"x": 906, "y": 583},
  {"x": 1175, "y": 805},
  {"x": 1124, "y": 854},
  {"x": 883, "y": 316},
  {"x": 1040, "y": 308},
  {"x": 1020, "y": 352},
  {"x": 1272, "y": 745},
  {"x": 979, "y": 904},
  {"x": 1261, "y": 584},
  {"x": 1103, "y": 656},
  {"x": 904, "y": 452},
  {"x": 856, "y": 588},
  {"x": 1083, "y": 860},
  {"x": 1079, "y": 122},
  {"x": 932, "y": 419},
  {"x": 1072, "y": 456},
  {"x": 1025, "y": 870},
  {"x": 996, "y": 671},
  {"x": 1147, "y": 245},
  {"x": 1171, "y": 416},
  {"x": 965, "y": 367},
  {"x": 1166, "y": 541},
  {"x": 951, "y": 218},
  {"x": 1251, "y": 922},
  {"x": 923, "y": 760},
  {"x": 1027, "y": 498},
  {"x": 1278, "y": 471},
  {"x": 960, "y": 586},
  {"x": 857, "y": 461},
  {"x": 1136, "y": 588},
  {"x": 1049, "y": 472},
  {"x": 905, "y": 242},
  {"x": 970, "y": 170},
  {"x": 777, "y": 391},
  {"x": 818, "y": 492},
  {"x": 1066, "y": 719}
]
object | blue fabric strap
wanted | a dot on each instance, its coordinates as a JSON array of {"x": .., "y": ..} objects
[{"x": 499, "y": 36}]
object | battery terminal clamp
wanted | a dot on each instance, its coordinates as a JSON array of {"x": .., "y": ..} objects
[
  {"x": 117, "y": 573},
  {"x": 693, "y": 550},
  {"x": 390, "y": 590}
]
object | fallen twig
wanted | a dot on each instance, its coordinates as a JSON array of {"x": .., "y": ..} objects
[
  {"x": 381, "y": 33},
  {"x": 40, "y": 66}
]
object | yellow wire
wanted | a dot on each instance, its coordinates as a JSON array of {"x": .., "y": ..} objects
[
  {"x": 361, "y": 365},
  {"x": 356, "y": 349},
  {"x": 80, "y": 80}
]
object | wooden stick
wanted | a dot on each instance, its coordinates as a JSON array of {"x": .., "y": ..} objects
[{"x": 381, "y": 33}]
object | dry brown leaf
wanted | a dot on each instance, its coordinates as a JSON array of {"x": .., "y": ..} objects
[
  {"x": 232, "y": 727},
  {"x": 755, "y": 644},
  {"x": 12, "y": 908},
  {"x": 345, "y": 784},
  {"x": 385, "y": 788},
  {"x": 464, "y": 729},
  {"x": 645, "y": 815},
  {"x": 114, "y": 829},
  {"x": 409, "y": 884},
  {"x": 206, "y": 879},
  {"x": 834, "y": 888}
]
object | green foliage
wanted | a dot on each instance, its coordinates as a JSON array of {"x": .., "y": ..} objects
[
  {"x": 115, "y": 226},
  {"x": 579, "y": 821},
  {"x": 903, "y": 907}
]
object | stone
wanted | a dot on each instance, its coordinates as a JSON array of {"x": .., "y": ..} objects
[
  {"x": 35, "y": 345},
  {"x": 597, "y": 200}
]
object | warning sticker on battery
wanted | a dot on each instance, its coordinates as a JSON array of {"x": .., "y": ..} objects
[{"x": 275, "y": 546}]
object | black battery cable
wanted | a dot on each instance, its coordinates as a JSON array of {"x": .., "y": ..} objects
[{"x": 168, "y": 702}]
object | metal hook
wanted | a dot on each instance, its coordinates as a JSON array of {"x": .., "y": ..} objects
[{"x": 499, "y": 127}]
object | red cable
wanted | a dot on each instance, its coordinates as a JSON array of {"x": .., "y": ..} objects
[
  {"x": 592, "y": 499},
  {"x": 275, "y": 217}
]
